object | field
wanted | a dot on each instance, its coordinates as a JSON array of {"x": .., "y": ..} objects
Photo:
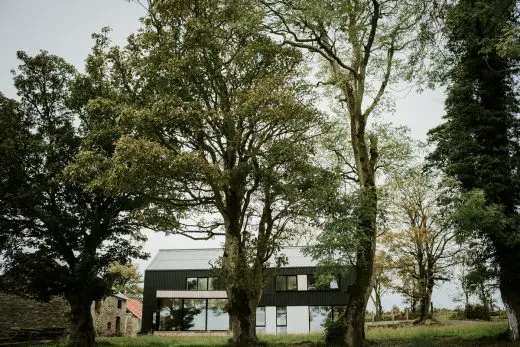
[{"x": 453, "y": 333}]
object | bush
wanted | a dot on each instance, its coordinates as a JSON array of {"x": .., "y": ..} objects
[
  {"x": 334, "y": 332},
  {"x": 476, "y": 312}
]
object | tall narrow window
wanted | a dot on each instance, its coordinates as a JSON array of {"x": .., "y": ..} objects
[
  {"x": 194, "y": 314},
  {"x": 260, "y": 320},
  {"x": 218, "y": 318},
  {"x": 202, "y": 283},
  {"x": 281, "y": 320},
  {"x": 118, "y": 325},
  {"x": 119, "y": 303}
]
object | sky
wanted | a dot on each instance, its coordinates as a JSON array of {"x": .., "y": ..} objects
[{"x": 64, "y": 28}]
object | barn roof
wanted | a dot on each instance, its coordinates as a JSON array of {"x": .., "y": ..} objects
[{"x": 203, "y": 258}]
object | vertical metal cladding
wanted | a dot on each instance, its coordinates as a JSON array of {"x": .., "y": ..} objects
[{"x": 176, "y": 280}]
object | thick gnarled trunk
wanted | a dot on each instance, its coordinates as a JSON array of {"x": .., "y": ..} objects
[
  {"x": 511, "y": 299},
  {"x": 360, "y": 290},
  {"x": 81, "y": 324},
  {"x": 244, "y": 288},
  {"x": 424, "y": 307},
  {"x": 354, "y": 318},
  {"x": 426, "y": 291},
  {"x": 243, "y": 318}
]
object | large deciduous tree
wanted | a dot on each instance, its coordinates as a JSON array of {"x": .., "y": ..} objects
[
  {"x": 220, "y": 137},
  {"x": 383, "y": 281},
  {"x": 364, "y": 46},
  {"x": 59, "y": 239},
  {"x": 478, "y": 142},
  {"x": 422, "y": 244}
]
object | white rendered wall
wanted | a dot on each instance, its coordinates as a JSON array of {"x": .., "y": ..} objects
[
  {"x": 302, "y": 282},
  {"x": 270, "y": 320},
  {"x": 297, "y": 319}
]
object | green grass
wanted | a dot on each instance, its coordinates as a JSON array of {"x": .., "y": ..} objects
[
  {"x": 463, "y": 330},
  {"x": 451, "y": 334}
]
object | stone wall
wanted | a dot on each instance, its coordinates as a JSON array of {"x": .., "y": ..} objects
[
  {"x": 106, "y": 315},
  {"x": 24, "y": 318},
  {"x": 19, "y": 315}
]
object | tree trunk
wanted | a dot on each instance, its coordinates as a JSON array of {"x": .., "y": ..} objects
[
  {"x": 424, "y": 308},
  {"x": 243, "y": 293},
  {"x": 425, "y": 303},
  {"x": 81, "y": 325},
  {"x": 511, "y": 299},
  {"x": 243, "y": 318},
  {"x": 509, "y": 283},
  {"x": 378, "y": 306},
  {"x": 359, "y": 291}
]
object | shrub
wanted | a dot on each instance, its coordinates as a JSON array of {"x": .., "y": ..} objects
[
  {"x": 334, "y": 332},
  {"x": 475, "y": 312}
]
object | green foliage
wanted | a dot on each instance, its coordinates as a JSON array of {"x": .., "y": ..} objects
[
  {"x": 125, "y": 279},
  {"x": 478, "y": 143},
  {"x": 334, "y": 332},
  {"x": 218, "y": 134},
  {"x": 60, "y": 238},
  {"x": 478, "y": 312}
]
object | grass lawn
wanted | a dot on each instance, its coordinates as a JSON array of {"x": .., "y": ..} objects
[{"x": 454, "y": 333}]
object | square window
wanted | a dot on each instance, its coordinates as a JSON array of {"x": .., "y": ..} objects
[
  {"x": 292, "y": 282},
  {"x": 214, "y": 283},
  {"x": 202, "y": 283},
  {"x": 191, "y": 284},
  {"x": 281, "y": 283}
]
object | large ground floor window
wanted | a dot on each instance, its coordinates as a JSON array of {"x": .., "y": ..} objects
[
  {"x": 191, "y": 314},
  {"x": 319, "y": 315}
]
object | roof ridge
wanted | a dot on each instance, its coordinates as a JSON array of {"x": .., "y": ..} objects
[{"x": 209, "y": 248}]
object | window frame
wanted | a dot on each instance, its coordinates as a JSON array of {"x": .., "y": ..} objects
[
  {"x": 332, "y": 311},
  {"x": 265, "y": 317},
  {"x": 182, "y": 307},
  {"x": 208, "y": 279},
  {"x": 281, "y": 325},
  {"x": 196, "y": 283},
  {"x": 337, "y": 279},
  {"x": 286, "y": 281}
]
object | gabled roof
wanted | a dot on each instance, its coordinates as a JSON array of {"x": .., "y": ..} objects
[
  {"x": 135, "y": 306},
  {"x": 201, "y": 259}
]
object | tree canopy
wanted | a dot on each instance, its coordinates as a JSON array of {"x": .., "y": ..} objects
[
  {"x": 57, "y": 238},
  {"x": 478, "y": 142}
]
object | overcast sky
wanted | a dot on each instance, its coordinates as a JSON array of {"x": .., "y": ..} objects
[{"x": 64, "y": 28}]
